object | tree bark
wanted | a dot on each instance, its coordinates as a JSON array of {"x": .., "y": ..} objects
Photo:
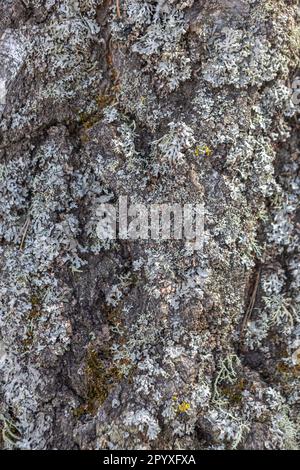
[{"x": 149, "y": 344}]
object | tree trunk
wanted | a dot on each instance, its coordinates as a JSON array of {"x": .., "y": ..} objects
[{"x": 147, "y": 343}]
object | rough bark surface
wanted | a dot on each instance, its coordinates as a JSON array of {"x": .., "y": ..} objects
[{"x": 146, "y": 344}]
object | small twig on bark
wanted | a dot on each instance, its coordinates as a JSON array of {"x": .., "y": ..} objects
[
  {"x": 118, "y": 9},
  {"x": 24, "y": 232},
  {"x": 251, "y": 303}
]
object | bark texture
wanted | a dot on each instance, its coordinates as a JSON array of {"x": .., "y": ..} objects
[{"x": 146, "y": 344}]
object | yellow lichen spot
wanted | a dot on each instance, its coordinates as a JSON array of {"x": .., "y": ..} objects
[
  {"x": 203, "y": 150},
  {"x": 184, "y": 407},
  {"x": 207, "y": 150},
  {"x": 174, "y": 398}
]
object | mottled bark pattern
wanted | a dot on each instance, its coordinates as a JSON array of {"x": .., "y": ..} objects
[{"x": 143, "y": 344}]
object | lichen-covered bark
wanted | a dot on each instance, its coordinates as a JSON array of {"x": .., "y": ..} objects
[{"x": 145, "y": 344}]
